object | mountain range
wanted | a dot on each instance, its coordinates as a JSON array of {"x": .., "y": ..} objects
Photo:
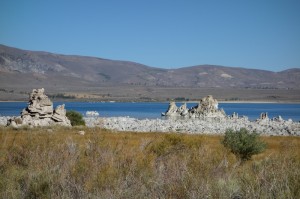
[
  {"x": 23, "y": 70},
  {"x": 27, "y": 68}
]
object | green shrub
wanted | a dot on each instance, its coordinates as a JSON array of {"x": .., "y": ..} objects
[
  {"x": 75, "y": 118},
  {"x": 243, "y": 144}
]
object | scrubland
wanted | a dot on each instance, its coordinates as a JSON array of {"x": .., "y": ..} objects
[{"x": 59, "y": 163}]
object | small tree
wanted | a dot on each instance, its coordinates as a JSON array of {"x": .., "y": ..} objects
[
  {"x": 75, "y": 118},
  {"x": 243, "y": 144}
]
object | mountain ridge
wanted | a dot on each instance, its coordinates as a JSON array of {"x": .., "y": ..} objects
[{"x": 45, "y": 68}]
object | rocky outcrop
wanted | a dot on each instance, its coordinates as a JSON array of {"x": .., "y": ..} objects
[
  {"x": 195, "y": 125},
  {"x": 40, "y": 112},
  {"x": 207, "y": 107},
  {"x": 172, "y": 110},
  {"x": 3, "y": 120},
  {"x": 59, "y": 114}
]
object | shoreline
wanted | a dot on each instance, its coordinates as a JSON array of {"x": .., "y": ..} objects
[
  {"x": 222, "y": 102},
  {"x": 209, "y": 126}
]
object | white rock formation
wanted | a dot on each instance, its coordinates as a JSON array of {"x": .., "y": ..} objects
[
  {"x": 92, "y": 114},
  {"x": 204, "y": 118},
  {"x": 40, "y": 112},
  {"x": 3, "y": 120},
  {"x": 208, "y": 125},
  {"x": 207, "y": 107},
  {"x": 172, "y": 110}
]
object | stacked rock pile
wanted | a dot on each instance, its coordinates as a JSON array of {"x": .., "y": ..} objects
[{"x": 40, "y": 112}]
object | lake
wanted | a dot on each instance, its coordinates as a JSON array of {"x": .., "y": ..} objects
[{"x": 151, "y": 110}]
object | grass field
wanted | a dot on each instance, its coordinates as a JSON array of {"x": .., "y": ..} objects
[{"x": 60, "y": 163}]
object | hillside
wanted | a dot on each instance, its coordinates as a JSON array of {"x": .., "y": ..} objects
[{"x": 24, "y": 70}]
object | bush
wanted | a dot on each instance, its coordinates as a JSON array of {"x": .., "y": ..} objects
[
  {"x": 75, "y": 118},
  {"x": 243, "y": 144}
]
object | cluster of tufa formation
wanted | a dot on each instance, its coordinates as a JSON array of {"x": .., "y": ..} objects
[
  {"x": 207, "y": 107},
  {"x": 40, "y": 112}
]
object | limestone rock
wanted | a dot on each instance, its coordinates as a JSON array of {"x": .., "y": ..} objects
[
  {"x": 183, "y": 110},
  {"x": 92, "y": 114},
  {"x": 4, "y": 120},
  {"x": 278, "y": 119},
  {"x": 40, "y": 112},
  {"x": 59, "y": 115},
  {"x": 263, "y": 119},
  {"x": 39, "y": 103},
  {"x": 172, "y": 110},
  {"x": 207, "y": 107},
  {"x": 207, "y": 125}
]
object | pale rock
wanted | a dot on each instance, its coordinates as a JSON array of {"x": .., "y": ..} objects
[
  {"x": 4, "y": 120},
  {"x": 197, "y": 125},
  {"x": 59, "y": 115},
  {"x": 207, "y": 107},
  {"x": 13, "y": 124},
  {"x": 205, "y": 118},
  {"x": 40, "y": 112},
  {"x": 92, "y": 114},
  {"x": 172, "y": 110},
  {"x": 183, "y": 110}
]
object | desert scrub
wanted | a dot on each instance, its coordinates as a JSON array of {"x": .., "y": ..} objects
[
  {"x": 243, "y": 144},
  {"x": 174, "y": 143},
  {"x": 170, "y": 143},
  {"x": 35, "y": 163},
  {"x": 75, "y": 118}
]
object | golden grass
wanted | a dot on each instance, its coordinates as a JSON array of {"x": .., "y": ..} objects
[{"x": 60, "y": 163}]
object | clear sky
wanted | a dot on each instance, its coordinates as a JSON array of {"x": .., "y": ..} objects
[{"x": 262, "y": 34}]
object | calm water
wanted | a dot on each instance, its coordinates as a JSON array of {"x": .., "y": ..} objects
[{"x": 153, "y": 110}]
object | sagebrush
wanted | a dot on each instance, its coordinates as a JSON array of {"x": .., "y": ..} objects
[
  {"x": 75, "y": 118},
  {"x": 243, "y": 143},
  {"x": 38, "y": 163}
]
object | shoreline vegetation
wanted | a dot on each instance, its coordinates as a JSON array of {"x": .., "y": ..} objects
[{"x": 58, "y": 162}]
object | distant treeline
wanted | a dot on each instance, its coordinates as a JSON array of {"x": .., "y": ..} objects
[
  {"x": 6, "y": 91},
  {"x": 179, "y": 99},
  {"x": 12, "y": 91},
  {"x": 61, "y": 96}
]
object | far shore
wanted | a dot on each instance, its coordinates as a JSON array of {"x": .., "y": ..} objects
[
  {"x": 12, "y": 101},
  {"x": 222, "y": 102},
  {"x": 262, "y": 102}
]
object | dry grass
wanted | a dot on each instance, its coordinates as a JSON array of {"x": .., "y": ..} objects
[{"x": 59, "y": 163}]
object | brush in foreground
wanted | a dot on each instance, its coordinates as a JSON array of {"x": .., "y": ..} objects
[
  {"x": 243, "y": 144},
  {"x": 35, "y": 163}
]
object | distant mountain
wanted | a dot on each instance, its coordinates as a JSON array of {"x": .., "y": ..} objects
[{"x": 28, "y": 69}]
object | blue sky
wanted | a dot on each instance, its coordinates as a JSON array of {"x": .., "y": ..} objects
[{"x": 263, "y": 34}]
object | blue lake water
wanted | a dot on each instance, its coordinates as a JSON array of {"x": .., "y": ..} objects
[{"x": 154, "y": 110}]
